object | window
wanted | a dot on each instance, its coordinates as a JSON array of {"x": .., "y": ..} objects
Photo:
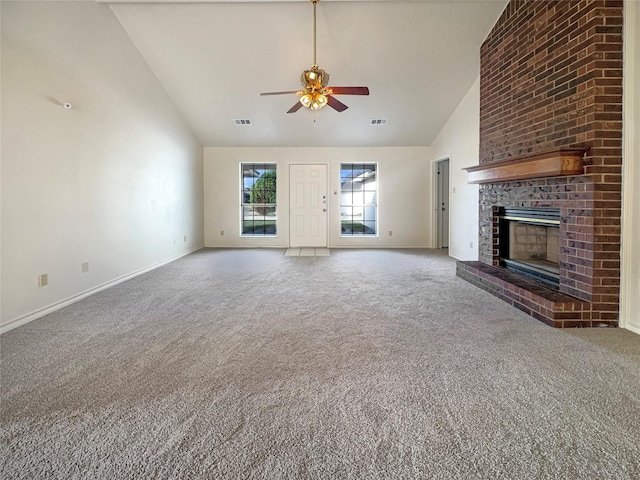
[
  {"x": 258, "y": 190},
  {"x": 358, "y": 199}
]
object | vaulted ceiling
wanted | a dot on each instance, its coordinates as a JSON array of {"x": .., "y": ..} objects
[{"x": 214, "y": 58}]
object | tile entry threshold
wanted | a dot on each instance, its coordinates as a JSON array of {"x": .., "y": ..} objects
[{"x": 307, "y": 252}]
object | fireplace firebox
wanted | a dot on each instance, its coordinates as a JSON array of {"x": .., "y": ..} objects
[{"x": 530, "y": 242}]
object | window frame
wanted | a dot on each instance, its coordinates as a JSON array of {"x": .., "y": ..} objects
[
  {"x": 245, "y": 204},
  {"x": 375, "y": 205}
]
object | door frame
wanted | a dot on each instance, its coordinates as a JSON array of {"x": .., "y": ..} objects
[{"x": 435, "y": 202}]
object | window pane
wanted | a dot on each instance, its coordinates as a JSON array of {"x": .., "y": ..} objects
[
  {"x": 258, "y": 220},
  {"x": 370, "y": 214}
]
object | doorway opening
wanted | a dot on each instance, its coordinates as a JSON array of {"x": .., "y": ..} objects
[{"x": 442, "y": 203}]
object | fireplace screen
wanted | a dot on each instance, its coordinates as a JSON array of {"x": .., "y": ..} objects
[{"x": 530, "y": 242}]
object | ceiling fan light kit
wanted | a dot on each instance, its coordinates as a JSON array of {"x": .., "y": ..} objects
[
  {"x": 316, "y": 93},
  {"x": 313, "y": 100}
]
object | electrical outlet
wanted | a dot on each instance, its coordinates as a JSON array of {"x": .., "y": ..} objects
[
  {"x": 470, "y": 244},
  {"x": 222, "y": 233},
  {"x": 174, "y": 241},
  {"x": 390, "y": 233},
  {"x": 185, "y": 238},
  {"x": 43, "y": 279},
  {"x": 85, "y": 267}
]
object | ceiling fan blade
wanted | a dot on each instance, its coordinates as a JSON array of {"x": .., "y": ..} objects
[
  {"x": 278, "y": 93},
  {"x": 295, "y": 108},
  {"x": 336, "y": 104},
  {"x": 349, "y": 90}
]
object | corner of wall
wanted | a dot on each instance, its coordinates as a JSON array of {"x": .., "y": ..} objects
[
  {"x": 459, "y": 141},
  {"x": 630, "y": 253}
]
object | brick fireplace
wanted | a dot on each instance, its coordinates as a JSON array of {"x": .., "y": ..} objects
[{"x": 551, "y": 89}]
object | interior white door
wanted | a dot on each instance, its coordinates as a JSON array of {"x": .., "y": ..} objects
[{"x": 308, "y": 205}]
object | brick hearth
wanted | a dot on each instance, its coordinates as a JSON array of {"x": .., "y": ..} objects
[
  {"x": 534, "y": 298},
  {"x": 551, "y": 78}
]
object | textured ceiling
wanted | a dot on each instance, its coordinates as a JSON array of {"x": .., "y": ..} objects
[{"x": 418, "y": 59}]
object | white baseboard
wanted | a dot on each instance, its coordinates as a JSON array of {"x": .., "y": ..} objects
[
  {"x": 16, "y": 322},
  {"x": 373, "y": 247},
  {"x": 217, "y": 245},
  {"x": 381, "y": 247}
]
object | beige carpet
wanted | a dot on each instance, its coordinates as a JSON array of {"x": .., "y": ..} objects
[{"x": 366, "y": 364}]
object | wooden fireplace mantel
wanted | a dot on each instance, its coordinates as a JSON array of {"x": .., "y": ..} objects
[{"x": 550, "y": 164}]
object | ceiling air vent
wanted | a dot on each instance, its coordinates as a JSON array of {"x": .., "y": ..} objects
[
  {"x": 378, "y": 121},
  {"x": 243, "y": 121}
]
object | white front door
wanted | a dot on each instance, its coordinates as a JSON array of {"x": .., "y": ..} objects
[{"x": 308, "y": 205}]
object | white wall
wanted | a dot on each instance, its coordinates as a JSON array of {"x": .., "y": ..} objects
[
  {"x": 404, "y": 179},
  {"x": 630, "y": 287},
  {"x": 459, "y": 140},
  {"x": 115, "y": 181}
]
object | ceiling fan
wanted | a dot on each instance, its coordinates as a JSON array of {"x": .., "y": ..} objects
[{"x": 316, "y": 93}]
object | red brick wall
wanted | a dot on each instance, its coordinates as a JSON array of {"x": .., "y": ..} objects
[{"x": 551, "y": 76}]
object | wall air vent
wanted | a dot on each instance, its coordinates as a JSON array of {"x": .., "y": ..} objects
[
  {"x": 243, "y": 121},
  {"x": 378, "y": 121}
]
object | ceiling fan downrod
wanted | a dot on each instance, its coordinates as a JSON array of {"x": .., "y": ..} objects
[
  {"x": 315, "y": 80},
  {"x": 315, "y": 62}
]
